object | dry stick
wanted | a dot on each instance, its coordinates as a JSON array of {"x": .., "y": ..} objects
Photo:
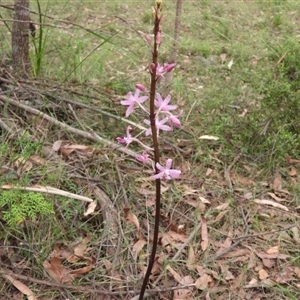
[
  {"x": 92, "y": 108},
  {"x": 5, "y": 126},
  {"x": 244, "y": 237},
  {"x": 227, "y": 170},
  {"x": 93, "y": 289},
  {"x": 91, "y": 136}
]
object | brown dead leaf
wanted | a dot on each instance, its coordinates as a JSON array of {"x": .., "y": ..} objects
[
  {"x": 63, "y": 275},
  {"x": 24, "y": 289},
  {"x": 277, "y": 183},
  {"x": 191, "y": 259},
  {"x": 263, "y": 274},
  {"x": 168, "y": 223},
  {"x": 81, "y": 248},
  {"x": 22, "y": 165},
  {"x": 137, "y": 248},
  {"x": 78, "y": 272},
  {"x": 108, "y": 265},
  {"x": 182, "y": 294},
  {"x": 150, "y": 202},
  {"x": 237, "y": 253},
  {"x": 268, "y": 263},
  {"x": 243, "y": 113},
  {"x": 244, "y": 180},
  {"x": 237, "y": 282},
  {"x": 56, "y": 145},
  {"x": 62, "y": 251},
  {"x": 226, "y": 244},
  {"x": 131, "y": 218},
  {"x": 195, "y": 203},
  {"x": 263, "y": 255},
  {"x": 226, "y": 274},
  {"x": 276, "y": 198},
  {"x": 271, "y": 203},
  {"x": 296, "y": 236},
  {"x": 201, "y": 270},
  {"x": 293, "y": 172},
  {"x": 222, "y": 206},
  {"x": 91, "y": 208},
  {"x": 144, "y": 191},
  {"x": 177, "y": 236},
  {"x": 254, "y": 283},
  {"x": 187, "y": 190},
  {"x": 66, "y": 150},
  {"x": 273, "y": 250},
  {"x": 208, "y": 172},
  {"x": 223, "y": 58},
  {"x": 285, "y": 276},
  {"x": 175, "y": 275},
  {"x": 248, "y": 195},
  {"x": 219, "y": 217},
  {"x": 37, "y": 160},
  {"x": 291, "y": 161},
  {"x": 297, "y": 272},
  {"x": 204, "y": 200},
  {"x": 156, "y": 265},
  {"x": 204, "y": 234},
  {"x": 56, "y": 271},
  {"x": 203, "y": 281}
]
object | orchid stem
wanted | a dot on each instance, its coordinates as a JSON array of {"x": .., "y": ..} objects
[{"x": 156, "y": 31}]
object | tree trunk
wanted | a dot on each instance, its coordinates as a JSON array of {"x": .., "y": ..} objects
[{"x": 20, "y": 38}]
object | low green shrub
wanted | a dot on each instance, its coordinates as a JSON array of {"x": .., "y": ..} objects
[{"x": 18, "y": 206}]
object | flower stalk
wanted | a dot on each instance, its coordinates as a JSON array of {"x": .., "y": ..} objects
[{"x": 158, "y": 116}]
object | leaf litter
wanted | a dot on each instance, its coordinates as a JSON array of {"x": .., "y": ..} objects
[{"x": 261, "y": 259}]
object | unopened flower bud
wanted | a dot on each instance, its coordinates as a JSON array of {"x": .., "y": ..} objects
[
  {"x": 169, "y": 67},
  {"x": 151, "y": 67},
  {"x": 158, "y": 38},
  {"x": 141, "y": 87}
]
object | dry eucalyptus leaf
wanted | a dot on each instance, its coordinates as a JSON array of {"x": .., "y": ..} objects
[
  {"x": 202, "y": 282},
  {"x": 273, "y": 250},
  {"x": 131, "y": 218},
  {"x": 91, "y": 208},
  {"x": 263, "y": 274},
  {"x": 204, "y": 234},
  {"x": 271, "y": 203},
  {"x": 24, "y": 289},
  {"x": 137, "y": 248}
]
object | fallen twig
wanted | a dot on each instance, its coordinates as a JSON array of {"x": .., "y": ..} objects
[
  {"x": 48, "y": 190},
  {"x": 89, "y": 289},
  {"x": 88, "y": 135},
  {"x": 228, "y": 169},
  {"x": 244, "y": 237}
]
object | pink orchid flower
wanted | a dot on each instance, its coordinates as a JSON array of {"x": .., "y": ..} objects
[
  {"x": 162, "y": 70},
  {"x": 144, "y": 157},
  {"x": 166, "y": 172},
  {"x": 132, "y": 101},
  {"x": 126, "y": 139},
  {"x": 174, "y": 121},
  {"x": 160, "y": 125},
  {"x": 163, "y": 105}
]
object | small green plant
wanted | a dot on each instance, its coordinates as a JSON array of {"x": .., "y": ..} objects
[
  {"x": 39, "y": 43},
  {"x": 18, "y": 206}
]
